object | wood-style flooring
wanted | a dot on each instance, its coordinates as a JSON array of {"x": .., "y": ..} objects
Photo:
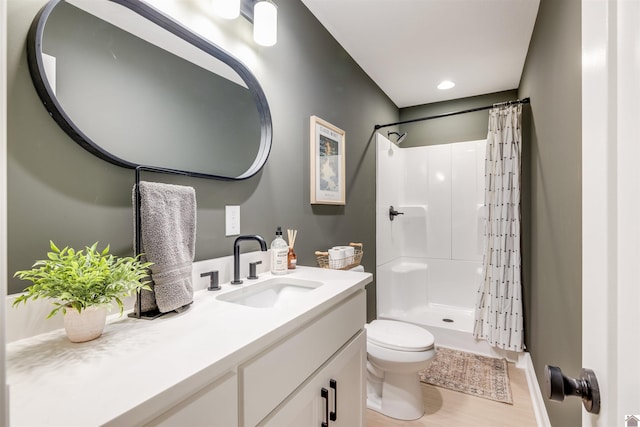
[{"x": 447, "y": 408}]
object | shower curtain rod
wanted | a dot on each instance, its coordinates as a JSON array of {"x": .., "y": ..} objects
[{"x": 454, "y": 113}]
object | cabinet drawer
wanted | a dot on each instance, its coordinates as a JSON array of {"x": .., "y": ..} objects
[{"x": 272, "y": 376}]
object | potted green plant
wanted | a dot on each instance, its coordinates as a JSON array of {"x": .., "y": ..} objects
[{"x": 83, "y": 284}]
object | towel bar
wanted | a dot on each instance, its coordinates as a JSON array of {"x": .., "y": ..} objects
[{"x": 153, "y": 314}]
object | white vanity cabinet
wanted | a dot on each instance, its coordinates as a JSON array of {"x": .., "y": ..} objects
[
  {"x": 271, "y": 381},
  {"x": 334, "y": 397},
  {"x": 283, "y": 384}
]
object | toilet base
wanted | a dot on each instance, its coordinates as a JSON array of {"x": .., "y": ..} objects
[{"x": 400, "y": 398}]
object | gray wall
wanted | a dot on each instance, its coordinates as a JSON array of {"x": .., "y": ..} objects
[
  {"x": 552, "y": 78},
  {"x": 458, "y": 128},
  {"x": 59, "y": 191}
]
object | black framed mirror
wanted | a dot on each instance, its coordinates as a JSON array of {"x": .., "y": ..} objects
[{"x": 136, "y": 88}]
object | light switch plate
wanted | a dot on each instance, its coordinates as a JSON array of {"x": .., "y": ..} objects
[{"x": 232, "y": 220}]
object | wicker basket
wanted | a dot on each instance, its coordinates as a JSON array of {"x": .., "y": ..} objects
[{"x": 341, "y": 264}]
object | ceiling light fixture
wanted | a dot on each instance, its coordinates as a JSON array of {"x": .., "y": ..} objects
[
  {"x": 227, "y": 9},
  {"x": 265, "y": 23},
  {"x": 446, "y": 84}
]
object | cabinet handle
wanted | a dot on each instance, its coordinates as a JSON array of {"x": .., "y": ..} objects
[
  {"x": 325, "y": 395},
  {"x": 334, "y": 385}
]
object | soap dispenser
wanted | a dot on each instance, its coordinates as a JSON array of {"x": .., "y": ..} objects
[{"x": 279, "y": 254}]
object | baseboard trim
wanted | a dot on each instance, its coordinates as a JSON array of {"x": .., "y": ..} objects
[{"x": 525, "y": 362}]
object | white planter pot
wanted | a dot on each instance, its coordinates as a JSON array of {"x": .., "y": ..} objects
[{"x": 85, "y": 326}]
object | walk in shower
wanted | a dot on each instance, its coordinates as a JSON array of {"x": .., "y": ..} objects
[{"x": 429, "y": 224}]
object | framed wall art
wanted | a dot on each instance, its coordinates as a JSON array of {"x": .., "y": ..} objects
[{"x": 327, "y": 163}]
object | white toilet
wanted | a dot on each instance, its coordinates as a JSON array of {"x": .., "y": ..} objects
[{"x": 396, "y": 352}]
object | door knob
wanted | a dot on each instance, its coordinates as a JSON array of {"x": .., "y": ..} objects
[{"x": 558, "y": 385}]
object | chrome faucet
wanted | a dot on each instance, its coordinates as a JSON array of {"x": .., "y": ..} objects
[{"x": 236, "y": 254}]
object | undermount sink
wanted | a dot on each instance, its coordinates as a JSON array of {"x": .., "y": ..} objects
[{"x": 271, "y": 293}]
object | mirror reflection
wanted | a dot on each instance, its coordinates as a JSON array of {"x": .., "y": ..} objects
[{"x": 124, "y": 86}]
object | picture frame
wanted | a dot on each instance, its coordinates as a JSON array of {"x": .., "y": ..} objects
[{"x": 327, "y": 163}]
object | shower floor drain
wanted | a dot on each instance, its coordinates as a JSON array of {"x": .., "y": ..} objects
[{"x": 447, "y": 320}]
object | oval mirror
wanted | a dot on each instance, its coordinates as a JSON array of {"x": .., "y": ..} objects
[{"x": 136, "y": 88}]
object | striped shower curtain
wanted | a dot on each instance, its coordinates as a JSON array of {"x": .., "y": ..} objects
[{"x": 498, "y": 317}]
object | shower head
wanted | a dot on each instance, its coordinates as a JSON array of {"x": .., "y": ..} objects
[{"x": 400, "y": 136}]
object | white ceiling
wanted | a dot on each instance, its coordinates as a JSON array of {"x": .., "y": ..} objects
[{"x": 409, "y": 46}]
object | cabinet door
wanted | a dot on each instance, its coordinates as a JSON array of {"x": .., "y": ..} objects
[
  {"x": 307, "y": 407},
  {"x": 271, "y": 377},
  {"x": 216, "y": 405}
]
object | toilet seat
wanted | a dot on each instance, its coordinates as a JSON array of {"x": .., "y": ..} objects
[{"x": 399, "y": 336}]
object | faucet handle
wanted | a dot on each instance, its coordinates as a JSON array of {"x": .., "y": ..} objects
[
  {"x": 252, "y": 270},
  {"x": 213, "y": 280}
]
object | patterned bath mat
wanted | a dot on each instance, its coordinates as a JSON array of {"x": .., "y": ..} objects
[{"x": 469, "y": 373}]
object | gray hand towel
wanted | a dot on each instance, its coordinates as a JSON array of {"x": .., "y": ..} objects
[{"x": 168, "y": 230}]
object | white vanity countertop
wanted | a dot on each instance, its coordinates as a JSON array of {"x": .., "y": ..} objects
[{"x": 140, "y": 366}]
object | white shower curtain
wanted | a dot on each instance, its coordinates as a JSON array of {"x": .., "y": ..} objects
[{"x": 498, "y": 316}]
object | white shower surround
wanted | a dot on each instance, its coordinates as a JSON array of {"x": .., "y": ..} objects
[{"x": 429, "y": 260}]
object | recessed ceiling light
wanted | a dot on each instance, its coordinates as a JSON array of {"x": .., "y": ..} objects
[{"x": 446, "y": 84}]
